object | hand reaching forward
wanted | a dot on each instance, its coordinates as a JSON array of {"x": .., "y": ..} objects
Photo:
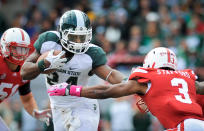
[{"x": 43, "y": 115}]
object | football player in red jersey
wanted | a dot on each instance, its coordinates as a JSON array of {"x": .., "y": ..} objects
[
  {"x": 169, "y": 94},
  {"x": 15, "y": 46}
]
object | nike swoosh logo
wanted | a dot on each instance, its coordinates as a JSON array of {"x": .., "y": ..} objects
[{"x": 72, "y": 68}]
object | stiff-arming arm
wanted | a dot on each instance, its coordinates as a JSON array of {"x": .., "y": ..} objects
[
  {"x": 199, "y": 87},
  {"x": 100, "y": 91}
]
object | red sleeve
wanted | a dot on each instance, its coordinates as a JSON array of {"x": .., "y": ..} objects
[
  {"x": 24, "y": 89},
  {"x": 140, "y": 74},
  {"x": 192, "y": 74}
]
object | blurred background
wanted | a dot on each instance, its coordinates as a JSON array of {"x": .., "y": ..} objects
[{"x": 126, "y": 30}]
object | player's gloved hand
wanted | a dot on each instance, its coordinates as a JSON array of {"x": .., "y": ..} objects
[
  {"x": 43, "y": 115},
  {"x": 64, "y": 89},
  {"x": 55, "y": 61}
]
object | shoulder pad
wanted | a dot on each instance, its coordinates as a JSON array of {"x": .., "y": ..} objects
[
  {"x": 97, "y": 55},
  {"x": 141, "y": 74},
  {"x": 48, "y": 36}
]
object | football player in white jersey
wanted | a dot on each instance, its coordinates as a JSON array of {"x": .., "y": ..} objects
[
  {"x": 14, "y": 49},
  {"x": 83, "y": 59}
]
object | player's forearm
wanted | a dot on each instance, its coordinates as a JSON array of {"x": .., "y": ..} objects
[
  {"x": 104, "y": 91},
  {"x": 29, "y": 71},
  {"x": 29, "y": 103},
  {"x": 199, "y": 87}
]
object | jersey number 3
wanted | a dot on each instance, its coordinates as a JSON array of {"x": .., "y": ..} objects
[{"x": 183, "y": 90}]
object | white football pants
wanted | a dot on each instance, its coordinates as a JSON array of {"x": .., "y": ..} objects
[
  {"x": 76, "y": 117},
  {"x": 190, "y": 125}
]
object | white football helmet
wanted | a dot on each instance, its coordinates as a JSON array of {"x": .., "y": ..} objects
[
  {"x": 76, "y": 31},
  {"x": 160, "y": 57},
  {"x": 15, "y": 45}
]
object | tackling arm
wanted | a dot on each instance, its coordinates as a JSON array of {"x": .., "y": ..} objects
[
  {"x": 100, "y": 91},
  {"x": 31, "y": 107},
  {"x": 199, "y": 87},
  {"x": 30, "y": 69},
  {"x": 113, "y": 91},
  {"x": 29, "y": 103}
]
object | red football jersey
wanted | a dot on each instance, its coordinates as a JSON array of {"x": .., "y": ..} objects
[
  {"x": 171, "y": 95},
  {"x": 9, "y": 81}
]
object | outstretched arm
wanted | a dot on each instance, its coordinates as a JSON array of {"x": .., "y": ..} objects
[
  {"x": 30, "y": 68},
  {"x": 113, "y": 91},
  {"x": 29, "y": 103},
  {"x": 100, "y": 91},
  {"x": 199, "y": 87},
  {"x": 31, "y": 107}
]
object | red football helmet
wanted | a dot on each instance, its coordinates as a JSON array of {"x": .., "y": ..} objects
[{"x": 15, "y": 45}]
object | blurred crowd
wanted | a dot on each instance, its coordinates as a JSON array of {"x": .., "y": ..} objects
[{"x": 126, "y": 30}]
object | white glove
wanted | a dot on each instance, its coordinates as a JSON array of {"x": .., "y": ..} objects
[
  {"x": 43, "y": 115},
  {"x": 55, "y": 61}
]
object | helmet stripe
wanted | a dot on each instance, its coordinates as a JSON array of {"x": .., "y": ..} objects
[
  {"x": 80, "y": 19},
  {"x": 22, "y": 34},
  {"x": 169, "y": 56}
]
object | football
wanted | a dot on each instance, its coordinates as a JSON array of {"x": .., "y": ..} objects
[{"x": 47, "y": 64}]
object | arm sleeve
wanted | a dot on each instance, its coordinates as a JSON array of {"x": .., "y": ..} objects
[
  {"x": 100, "y": 58},
  {"x": 97, "y": 55},
  {"x": 24, "y": 89}
]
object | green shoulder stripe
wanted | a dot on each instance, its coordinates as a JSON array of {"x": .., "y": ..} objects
[
  {"x": 44, "y": 37},
  {"x": 97, "y": 55}
]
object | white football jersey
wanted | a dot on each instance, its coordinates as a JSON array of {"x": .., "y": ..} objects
[{"x": 76, "y": 71}]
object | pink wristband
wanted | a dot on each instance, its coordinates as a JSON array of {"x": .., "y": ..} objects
[{"x": 75, "y": 90}]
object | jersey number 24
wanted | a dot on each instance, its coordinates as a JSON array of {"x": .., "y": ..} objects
[{"x": 53, "y": 79}]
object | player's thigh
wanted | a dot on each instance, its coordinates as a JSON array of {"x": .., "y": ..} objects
[
  {"x": 89, "y": 116},
  {"x": 58, "y": 118},
  {"x": 193, "y": 125},
  {"x": 87, "y": 113}
]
